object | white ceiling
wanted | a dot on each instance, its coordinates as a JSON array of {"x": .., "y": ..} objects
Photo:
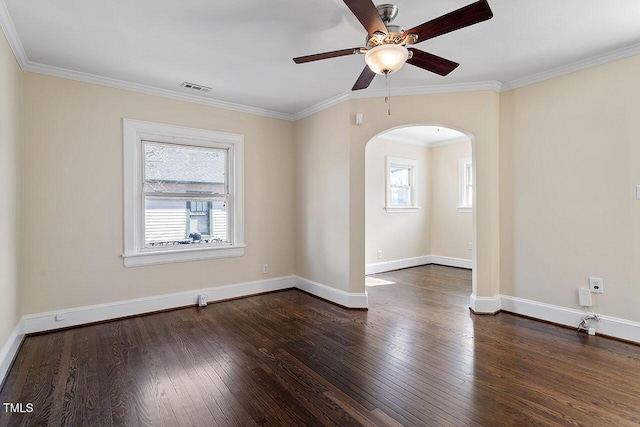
[
  {"x": 243, "y": 49},
  {"x": 426, "y": 136}
]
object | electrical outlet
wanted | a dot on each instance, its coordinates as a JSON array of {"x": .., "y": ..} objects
[
  {"x": 470, "y": 245},
  {"x": 265, "y": 268},
  {"x": 596, "y": 285},
  {"x": 379, "y": 254}
]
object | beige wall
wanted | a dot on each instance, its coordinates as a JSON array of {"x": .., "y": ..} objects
[
  {"x": 475, "y": 113},
  {"x": 569, "y": 164},
  {"x": 555, "y": 167},
  {"x": 10, "y": 141},
  {"x": 322, "y": 197},
  {"x": 451, "y": 230},
  {"x": 72, "y": 196},
  {"x": 398, "y": 235}
]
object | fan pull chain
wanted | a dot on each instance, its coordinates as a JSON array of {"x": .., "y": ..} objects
[{"x": 387, "y": 98}]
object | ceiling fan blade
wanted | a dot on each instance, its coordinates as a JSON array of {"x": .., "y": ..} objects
[
  {"x": 326, "y": 55},
  {"x": 431, "y": 62},
  {"x": 367, "y": 14},
  {"x": 365, "y": 79},
  {"x": 463, "y": 17}
]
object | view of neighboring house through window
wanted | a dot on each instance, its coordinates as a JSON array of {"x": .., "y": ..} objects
[
  {"x": 401, "y": 184},
  {"x": 185, "y": 195},
  {"x": 465, "y": 182},
  {"x": 200, "y": 221}
]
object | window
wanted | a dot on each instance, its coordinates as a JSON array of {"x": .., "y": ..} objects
[
  {"x": 184, "y": 187},
  {"x": 465, "y": 183},
  {"x": 183, "y": 194},
  {"x": 401, "y": 184}
]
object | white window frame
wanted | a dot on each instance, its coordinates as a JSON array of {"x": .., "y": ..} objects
[
  {"x": 412, "y": 165},
  {"x": 134, "y": 133},
  {"x": 465, "y": 204}
]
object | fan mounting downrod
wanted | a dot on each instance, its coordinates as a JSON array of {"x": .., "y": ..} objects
[{"x": 387, "y": 12}]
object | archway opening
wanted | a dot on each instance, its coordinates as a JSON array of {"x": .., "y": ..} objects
[{"x": 419, "y": 197}]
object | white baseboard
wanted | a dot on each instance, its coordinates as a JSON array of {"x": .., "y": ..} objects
[
  {"x": 611, "y": 326},
  {"x": 607, "y": 325},
  {"x": 452, "y": 262},
  {"x": 41, "y": 322},
  {"x": 345, "y": 299},
  {"x": 485, "y": 305},
  {"x": 10, "y": 349},
  {"x": 77, "y": 316},
  {"x": 382, "y": 267}
]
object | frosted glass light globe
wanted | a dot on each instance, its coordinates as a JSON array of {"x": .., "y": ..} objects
[{"x": 386, "y": 58}]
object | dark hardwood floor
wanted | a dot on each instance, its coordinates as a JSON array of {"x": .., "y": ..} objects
[{"x": 417, "y": 357}]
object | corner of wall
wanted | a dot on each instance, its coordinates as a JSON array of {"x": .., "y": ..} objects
[
  {"x": 322, "y": 197},
  {"x": 11, "y": 142}
]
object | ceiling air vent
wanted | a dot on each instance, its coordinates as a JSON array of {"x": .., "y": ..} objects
[{"x": 194, "y": 86}]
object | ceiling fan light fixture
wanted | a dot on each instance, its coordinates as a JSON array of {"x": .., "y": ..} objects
[{"x": 386, "y": 58}]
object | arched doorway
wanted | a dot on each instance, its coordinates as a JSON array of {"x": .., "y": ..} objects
[
  {"x": 400, "y": 233},
  {"x": 419, "y": 192}
]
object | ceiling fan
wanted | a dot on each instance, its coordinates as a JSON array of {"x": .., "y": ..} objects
[{"x": 386, "y": 51}]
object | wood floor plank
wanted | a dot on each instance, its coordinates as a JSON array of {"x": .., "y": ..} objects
[
  {"x": 417, "y": 357},
  {"x": 101, "y": 334},
  {"x": 79, "y": 392}
]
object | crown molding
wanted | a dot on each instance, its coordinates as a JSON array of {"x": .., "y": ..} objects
[
  {"x": 573, "y": 67},
  {"x": 458, "y": 140},
  {"x": 415, "y": 90},
  {"x": 428, "y": 90},
  {"x": 316, "y": 108},
  {"x": 6, "y": 23},
  {"x": 150, "y": 90}
]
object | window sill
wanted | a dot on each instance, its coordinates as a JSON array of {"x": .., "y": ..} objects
[
  {"x": 182, "y": 255},
  {"x": 401, "y": 209},
  {"x": 465, "y": 209}
]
